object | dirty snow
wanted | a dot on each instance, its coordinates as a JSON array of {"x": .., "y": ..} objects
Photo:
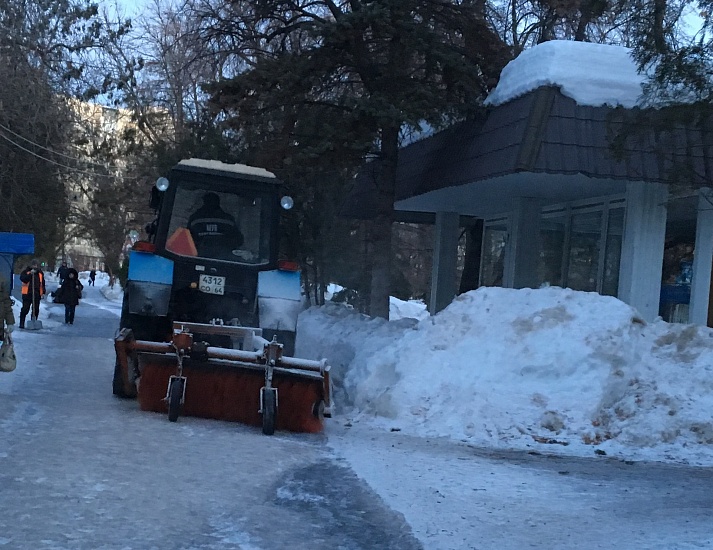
[
  {"x": 426, "y": 411},
  {"x": 550, "y": 369}
]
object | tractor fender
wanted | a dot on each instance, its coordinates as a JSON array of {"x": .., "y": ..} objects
[
  {"x": 149, "y": 284},
  {"x": 279, "y": 299}
]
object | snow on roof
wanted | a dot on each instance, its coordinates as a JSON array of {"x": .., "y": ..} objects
[
  {"x": 591, "y": 74},
  {"x": 236, "y": 168}
]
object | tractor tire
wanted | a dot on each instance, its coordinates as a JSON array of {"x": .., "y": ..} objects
[
  {"x": 318, "y": 409},
  {"x": 175, "y": 394},
  {"x": 118, "y": 382},
  {"x": 269, "y": 411}
]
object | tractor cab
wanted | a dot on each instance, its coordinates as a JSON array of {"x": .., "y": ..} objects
[
  {"x": 213, "y": 252},
  {"x": 218, "y": 214}
]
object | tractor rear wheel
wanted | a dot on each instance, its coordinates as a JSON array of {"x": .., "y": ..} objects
[{"x": 118, "y": 382}]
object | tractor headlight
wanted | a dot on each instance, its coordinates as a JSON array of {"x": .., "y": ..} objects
[
  {"x": 162, "y": 184},
  {"x": 286, "y": 202}
]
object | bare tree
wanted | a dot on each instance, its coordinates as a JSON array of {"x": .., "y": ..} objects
[
  {"x": 38, "y": 43},
  {"x": 149, "y": 75}
]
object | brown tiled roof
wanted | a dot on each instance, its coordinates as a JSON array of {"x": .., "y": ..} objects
[{"x": 546, "y": 132}]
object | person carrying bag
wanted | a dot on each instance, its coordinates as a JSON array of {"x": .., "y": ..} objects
[
  {"x": 71, "y": 291},
  {"x": 8, "y": 360}
]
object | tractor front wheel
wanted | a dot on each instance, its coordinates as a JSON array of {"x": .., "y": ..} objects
[
  {"x": 175, "y": 394},
  {"x": 269, "y": 411}
]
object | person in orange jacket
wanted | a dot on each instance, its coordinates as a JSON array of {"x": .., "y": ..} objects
[{"x": 33, "y": 286}]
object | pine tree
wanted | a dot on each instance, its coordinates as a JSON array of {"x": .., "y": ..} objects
[{"x": 343, "y": 79}]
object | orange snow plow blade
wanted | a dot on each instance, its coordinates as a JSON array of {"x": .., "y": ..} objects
[{"x": 227, "y": 384}]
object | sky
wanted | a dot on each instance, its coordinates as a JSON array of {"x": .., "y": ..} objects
[{"x": 131, "y": 7}]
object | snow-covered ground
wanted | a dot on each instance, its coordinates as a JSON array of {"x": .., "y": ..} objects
[
  {"x": 551, "y": 370},
  {"x": 101, "y": 296},
  {"x": 429, "y": 411}
]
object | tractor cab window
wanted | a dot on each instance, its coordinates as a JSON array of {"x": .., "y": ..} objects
[{"x": 221, "y": 225}]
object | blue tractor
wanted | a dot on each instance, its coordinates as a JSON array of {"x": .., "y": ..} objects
[{"x": 208, "y": 298}]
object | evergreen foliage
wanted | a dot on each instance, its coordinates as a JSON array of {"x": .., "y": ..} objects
[
  {"x": 678, "y": 65},
  {"x": 328, "y": 83}
]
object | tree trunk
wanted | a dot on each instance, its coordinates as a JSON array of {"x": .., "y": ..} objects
[
  {"x": 659, "y": 31},
  {"x": 365, "y": 279},
  {"x": 319, "y": 280},
  {"x": 382, "y": 225},
  {"x": 580, "y": 34}
]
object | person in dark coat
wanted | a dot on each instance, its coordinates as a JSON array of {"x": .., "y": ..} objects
[
  {"x": 33, "y": 288},
  {"x": 214, "y": 231},
  {"x": 62, "y": 272},
  {"x": 6, "y": 313},
  {"x": 71, "y": 292},
  {"x": 92, "y": 277}
]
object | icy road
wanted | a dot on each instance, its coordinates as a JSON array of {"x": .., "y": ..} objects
[{"x": 80, "y": 469}]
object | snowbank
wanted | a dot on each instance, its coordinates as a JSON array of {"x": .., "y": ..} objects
[{"x": 552, "y": 369}]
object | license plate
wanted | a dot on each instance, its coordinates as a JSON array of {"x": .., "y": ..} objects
[{"x": 210, "y": 284}]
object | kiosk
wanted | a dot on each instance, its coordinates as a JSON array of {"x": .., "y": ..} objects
[{"x": 12, "y": 245}]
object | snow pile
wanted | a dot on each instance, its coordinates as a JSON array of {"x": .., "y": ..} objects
[
  {"x": 114, "y": 294},
  {"x": 398, "y": 309},
  {"x": 348, "y": 339},
  {"x": 552, "y": 369},
  {"x": 413, "y": 309},
  {"x": 591, "y": 74},
  {"x": 664, "y": 399},
  {"x": 101, "y": 281}
]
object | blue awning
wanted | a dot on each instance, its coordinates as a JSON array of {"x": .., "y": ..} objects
[{"x": 17, "y": 243}]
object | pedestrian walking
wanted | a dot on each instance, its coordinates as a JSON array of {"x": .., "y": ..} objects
[
  {"x": 92, "y": 277},
  {"x": 7, "y": 317},
  {"x": 71, "y": 291},
  {"x": 33, "y": 288},
  {"x": 62, "y": 272}
]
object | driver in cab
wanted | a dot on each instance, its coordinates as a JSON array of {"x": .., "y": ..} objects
[{"x": 214, "y": 231}]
